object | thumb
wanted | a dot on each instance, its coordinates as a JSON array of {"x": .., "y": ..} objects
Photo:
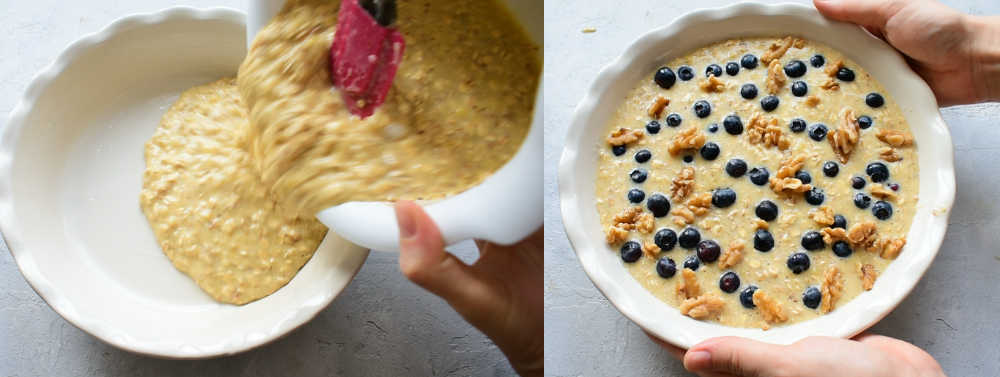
[
  {"x": 423, "y": 260},
  {"x": 872, "y": 13},
  {"x": 737, "y": 356}
]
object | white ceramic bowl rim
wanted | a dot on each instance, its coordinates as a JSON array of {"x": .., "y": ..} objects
[
  {"x": 577, "y": 169},
  {"x": 12, "y": 234}
]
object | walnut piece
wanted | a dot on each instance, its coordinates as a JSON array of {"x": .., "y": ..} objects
[
  {"x": 683, "y": 184},
  {"x": 627, "y": 215},
  {"x": 614, "y": 234},
  {"x": 832, "y": 69},
  {"x": 765, "y": 130},
  {"x": 799, "y": 43},
  {"x": 895, "y": 138},
  {"x": 760, "y": 224},
  {"x": 657, "y": 107},
  {"x": 868, "y": 276},
  {"x": 831, "y": 235},
  {"x": 812, "y": 101},
  {"x": 883, "y": 193},
  {"x": 784, "y": 182},
  {"x": 702, "y": 307},
  {"x": 789, "y": 166},
  {"x": 831, "y": 289},
  {"x": 711, "y": 84},
  {"x": 687, "y": 287},
  {"x": 732, "y": 255},
  {"x": 682, "y": 215},
  {"x": 775, "y": 77},
  {"x": 822, "y": 215},
  {"x": 777, "y": 49},
  {"x": 700, "y": 203},
  {"x": 889, "y": 154},
  {"x": 650, "y": 250},
  {"x": 689, "y": 139},
  {"x": 845, "y": 138},
  {"x": 830, "y": 84},
  {"x": 624, "y": 136},
  {"x": 769, "y": 308},
  {"x": 645, "y": 223},
  {"x": 862, "y": 235},
  {"x": 891, "y": 247}
]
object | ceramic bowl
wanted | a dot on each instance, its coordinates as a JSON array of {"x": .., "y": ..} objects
[
  {"x": 577, "y": 168},
  {"x": 71, "y": 163}
]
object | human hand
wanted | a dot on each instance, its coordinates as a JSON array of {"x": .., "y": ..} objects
[
  {"x": 957, "y": 54},
  {"x": 500, "y": 294},
  {"x": 864, "y": 356}
]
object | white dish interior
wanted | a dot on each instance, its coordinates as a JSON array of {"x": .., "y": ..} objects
[
  {"x": 71, "y": 160},
  {"x": 577, "y": 168}
]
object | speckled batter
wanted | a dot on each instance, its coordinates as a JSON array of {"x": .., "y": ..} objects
[
  {"x": 210, "y": 212},
  {"x": 782, "y": 289},
  {"x": 459, "y": 108}
]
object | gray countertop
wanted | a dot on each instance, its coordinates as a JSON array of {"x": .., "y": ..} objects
[
  {"x": 951, "y": 314},
  {"x": 381, "y": 325}
]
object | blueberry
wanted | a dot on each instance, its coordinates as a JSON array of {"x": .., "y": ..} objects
[
  {"x": 877, "y": 171},
  {"x": 815, "y": 196},
  {"x": 842, "y": 249},
  {"x": 713, "y": 70},
  {"x": 763, "y": 240},
  {"x": 665, "y": 77},
  {"x": 864, "y": 122},
  {"x": 653, "y": 127},
  {"x": 749, "y": 61},
  {"x": 799, "y": 88},
  {"x": 618, "y": 150},
  {"x": 658, "y": 205},
  {"x": 732, "y": 68},
  {"x": 759, "y": 176},
  {"x": 874, "y": 100},
  {"x": 688, "y": 158},
  {"x": 746, "y": 297},
  {"x": 766, "y": 210},
  {"x": 798, "y": 262},
  {"x": 692, "y": 263},
  {"x": 831, "y": 168},
  {"x": 702, "y": 109},
  {"x": 861, "y": 200},
  {"x": 845, "y": 74},
  {"x": 666, "y": 268},
  {"x": 631, "y": 251},
  {"x": 812, "y": 240},
  {"x": 674, "y": 119},
  {"x": 769, "y": 103},
  {"x": 729, "y": 282},
  {"x": 712, "y": 128},
  {"x": 723, "y": 197},
  {"x": 732, "y": 124},
  {"x": 817, "y": 60},
  {"x": 811, "y": 297},
  {"x": 803, "y": 176},
  {"x": 665, "y": 239},
  {"x": 736, "y": 168},
  {"x": 797, "y": 125},
  {"x": 839, "y": 221},
  {"x": 894, "y": 186},
  {"x": 689, "y": 238},
  {"x": 638, "y": 175},
  {"x": 643, "y": 156},
  {"x": 818, "y": 131},
  {"x": 685, "y": 73},
  {"x": 748, "y": 91},
  {"x": 709, "y": 151},
  {"x": 882, "y": 210},
  {"x": 795, "y": 68},
  {"x": 708, "y": 251},
  {"x": 857, "y": 182},
  {"x": 636, "y": 195}
]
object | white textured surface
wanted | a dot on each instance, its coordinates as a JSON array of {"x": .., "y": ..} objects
[
  {"x": 381, "y": 325},
  {"x": 949, "y": 313}
]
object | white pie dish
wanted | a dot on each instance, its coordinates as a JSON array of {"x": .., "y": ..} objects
[
  {"x": 71, "y": 163},
  {"x": 577, "y": 168}
]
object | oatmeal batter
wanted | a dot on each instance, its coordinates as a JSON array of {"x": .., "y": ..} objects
[
  {"x": 677, "y": 166},
  {"x": 459, "y": 108},
  {"x": 208, "y": 208}
]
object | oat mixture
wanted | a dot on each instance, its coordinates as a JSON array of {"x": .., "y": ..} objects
[
  {"x": 757, "y": 182},
  {"x": 238, "y": 168}
]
